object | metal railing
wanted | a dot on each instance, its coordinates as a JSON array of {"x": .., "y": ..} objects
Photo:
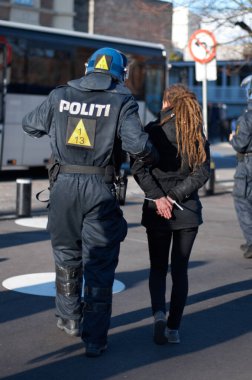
[{"x": 226, "y": 95}]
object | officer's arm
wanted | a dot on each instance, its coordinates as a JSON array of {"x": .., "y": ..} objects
[
  {"x": 37, "y": 123},
  {"x": 243, "y": 134},
  {"x": 134, "y": 140}
]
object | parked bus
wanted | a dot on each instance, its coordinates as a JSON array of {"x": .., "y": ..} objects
[{"x": 35, "y": 59}]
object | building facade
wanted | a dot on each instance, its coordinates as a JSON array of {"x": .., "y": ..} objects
[
  {"x": 51, "y": 13},
  {"x": 147, "y": 20}
]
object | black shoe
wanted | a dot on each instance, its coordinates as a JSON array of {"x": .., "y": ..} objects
[
  {"x": 248, "y": 253},
  {"x": 70, "y": 326},
  {"x": 244, "y": 247},
  {"x": 159, "y": 336},
  {"x": 93, "y": 350}
]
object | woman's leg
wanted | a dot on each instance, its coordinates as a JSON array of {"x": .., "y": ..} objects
[
  {"x": 159, "y": 245},
  {"x": 181, "y": 249}
]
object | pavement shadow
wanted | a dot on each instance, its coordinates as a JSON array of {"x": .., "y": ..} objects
[
  {"x": 130, "y": 279},
  {"x": 13, "y": 239},
  {"x": 135, "y": 316},
  {"x": 18, "y": 304},
  {"x": 132, "y": 349},
  {"x": 15, "y": 305}
]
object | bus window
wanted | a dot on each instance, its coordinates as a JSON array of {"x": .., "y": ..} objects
[
  {"x": 136, "y": 77},
  {"x": 37, "y": 69},
  {"x": 154, "y": 88}
]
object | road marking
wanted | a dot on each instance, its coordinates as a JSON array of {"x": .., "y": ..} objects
[
  {"x": 42, "y": 284},
  {"x": 39, "y": 222}
]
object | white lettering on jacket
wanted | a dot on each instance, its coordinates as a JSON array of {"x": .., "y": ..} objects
[{"x": 84, "y": 109}]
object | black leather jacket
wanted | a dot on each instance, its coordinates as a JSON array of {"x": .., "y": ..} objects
[{"x": 170, "y": 177}]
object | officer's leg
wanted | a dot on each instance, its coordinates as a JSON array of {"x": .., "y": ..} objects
[
  {"x": 103, "y": 230},
  {"x": 244, "y": 214},
  {"x": 64, "y": 225}
]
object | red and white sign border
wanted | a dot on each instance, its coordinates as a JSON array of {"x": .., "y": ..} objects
[{"x": 210, "y": 50}]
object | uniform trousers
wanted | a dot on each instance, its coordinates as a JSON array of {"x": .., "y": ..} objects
[
  {"x": 243, "y": 209},
  {"x": 181, "y": 242},
  {"x": 86, "y": 227}
]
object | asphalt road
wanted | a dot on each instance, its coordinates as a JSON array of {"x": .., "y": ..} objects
[{"x": 216, "y": 337}]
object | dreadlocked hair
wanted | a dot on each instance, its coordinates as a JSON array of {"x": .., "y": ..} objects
[{"x": 189, "y": 121}]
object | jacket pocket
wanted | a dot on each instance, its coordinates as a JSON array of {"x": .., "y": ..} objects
[{"x": 240, "y": 184}]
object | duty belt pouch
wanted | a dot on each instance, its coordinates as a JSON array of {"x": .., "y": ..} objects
[
  {"x": 53, "y": 171},
  {"x": 110, "y": 176},
  {"x": 240, "y": 156}
]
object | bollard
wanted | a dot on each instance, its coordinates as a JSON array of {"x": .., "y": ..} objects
[
  {"x": 23, "y": 200},
  {"x": 209, "y": 186}
]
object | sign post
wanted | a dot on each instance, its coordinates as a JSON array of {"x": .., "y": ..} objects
[{"x": 202, "y": 46}]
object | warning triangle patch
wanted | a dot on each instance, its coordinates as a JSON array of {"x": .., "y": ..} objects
[
  {"x": 80, "y": 132},
  {"x": 102, "y": 63},
  {"x": 79, "y": 135}
]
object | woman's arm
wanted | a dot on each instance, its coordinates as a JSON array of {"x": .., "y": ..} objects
[
  {"x": 151, "y": 189},
  {"x": 194, "y": 181}
]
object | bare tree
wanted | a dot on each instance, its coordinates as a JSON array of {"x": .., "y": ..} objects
[{"x": 234, "y": 14}]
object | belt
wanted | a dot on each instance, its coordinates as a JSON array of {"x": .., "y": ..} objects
[
  {"x": 81, "y": 169},
  {"x": 241, "y": 156}
]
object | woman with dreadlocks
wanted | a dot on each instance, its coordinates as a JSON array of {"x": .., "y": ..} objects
[{"x": 172, "y": 209}]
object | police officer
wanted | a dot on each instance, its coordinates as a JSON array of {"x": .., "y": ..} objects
[
  {"x": 85, "y": 120},
  {"x": 241, "y": 141}
]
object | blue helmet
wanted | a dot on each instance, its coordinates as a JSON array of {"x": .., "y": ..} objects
[
  {"x": 247, "y": 84},
  {"x": 108, "y": 61}
]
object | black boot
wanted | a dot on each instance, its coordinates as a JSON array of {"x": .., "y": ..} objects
[
  {"x": 244, "y": 247},
  {"x": 93, "y": 350},
  {"x": 248, "y": 253},
  {"x": 71, "y": 327}
]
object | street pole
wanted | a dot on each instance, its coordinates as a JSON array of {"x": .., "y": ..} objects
[{"x": 204, "y": 100}]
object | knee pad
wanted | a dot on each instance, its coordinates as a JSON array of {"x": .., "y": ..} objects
[{"x": 69, "y": 280}]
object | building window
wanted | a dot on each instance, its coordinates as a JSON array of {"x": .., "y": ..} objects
[{"x": 47, "y": 4}]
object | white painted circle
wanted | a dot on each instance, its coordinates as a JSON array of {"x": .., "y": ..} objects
[
  {"x": 42, "y": 284},
  {"x": 39, "y": 222}
]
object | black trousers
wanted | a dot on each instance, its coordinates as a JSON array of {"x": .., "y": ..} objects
[
  {"x": 86, "y": 227},
  {"x": 181, "y": 242}
]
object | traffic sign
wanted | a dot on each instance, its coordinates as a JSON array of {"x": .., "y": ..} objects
[
  {"x": 202, "y": 46},
  {"x": 206, "y": 71}
]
